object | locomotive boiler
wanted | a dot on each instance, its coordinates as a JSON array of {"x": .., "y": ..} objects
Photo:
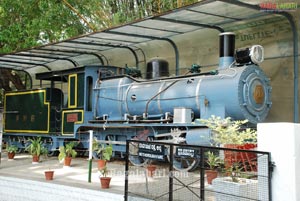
[
  {"x": 118, "y": 106},
  {"x": 240, "y": 93}
]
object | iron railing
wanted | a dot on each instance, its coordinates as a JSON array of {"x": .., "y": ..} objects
[{"x": 171, "y": 181}]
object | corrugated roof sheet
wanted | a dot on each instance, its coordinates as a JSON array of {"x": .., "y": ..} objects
[{"x": 74, "y": 52}]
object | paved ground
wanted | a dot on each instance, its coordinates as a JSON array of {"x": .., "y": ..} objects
[{"x": 22, "y": 180}]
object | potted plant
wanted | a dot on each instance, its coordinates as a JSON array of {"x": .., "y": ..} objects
[
  {"x": 104, "y": 179},
  {"x": 213, "y": 162},
  {"x": 103, "y": 153},
  {"x": 49, "y": 174},
  {"x": 231, "y": 134},
  {"x": 36, "y": 149},
  {"x": 235, "y": 186},
  {"x": 151, "y": 170},
  {"x": 227, "y": 131},
  {"x": 11, "y": 151},
  {"x": 67, "y": 152}
]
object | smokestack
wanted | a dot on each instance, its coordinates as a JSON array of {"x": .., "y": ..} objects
[{"x": 227, "y": 46}]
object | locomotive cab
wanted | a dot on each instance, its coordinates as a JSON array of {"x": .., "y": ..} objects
[
  {"x": 63, "y": 99},
  {"x": 32, "y": 111},
  {"x": 77, "y": 86}
]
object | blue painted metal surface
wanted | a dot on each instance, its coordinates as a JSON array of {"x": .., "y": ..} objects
[{"x": 239, "y": 92}]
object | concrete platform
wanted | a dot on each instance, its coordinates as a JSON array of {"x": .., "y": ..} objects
[{"x": 22, "y": 180}]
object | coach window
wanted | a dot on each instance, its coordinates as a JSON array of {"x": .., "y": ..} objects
[
  {"x": 72, "y": 100},
  {"x": 89, "y": 90}
]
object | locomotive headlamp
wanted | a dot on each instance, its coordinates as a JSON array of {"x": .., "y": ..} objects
[{"x": 254, "y": 54}]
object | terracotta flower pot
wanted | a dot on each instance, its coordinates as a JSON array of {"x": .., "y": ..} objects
[
  {"x": 151, "y": 170},
  {"x": 211, "y": 175},
  {"x": 67, "y": 161},
  {"x": 101, "y": 164},
  {"x": 105, "y": 182},
  {"x": 11, "y": 155},
  {"x": 49, "y": 175},
  {"x": 35, "y": 159}
]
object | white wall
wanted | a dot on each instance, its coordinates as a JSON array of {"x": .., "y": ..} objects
[{"x": 282, "y": 140}]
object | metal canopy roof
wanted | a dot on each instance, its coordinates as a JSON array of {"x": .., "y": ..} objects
[{"x": 70, "y": 53}]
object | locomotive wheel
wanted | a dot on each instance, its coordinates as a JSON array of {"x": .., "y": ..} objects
[
  {"x": 20, "y": 150},
  {"x": 133, "y": 156},
  {"x": 53, "y": 153},
  {"x": 138, "y": 161},
  {"x": 185, "y": 164},
  {"x": 19, "y": 145}
]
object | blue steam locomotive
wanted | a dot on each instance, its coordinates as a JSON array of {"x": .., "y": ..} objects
[{"x": 117, "y": 105}]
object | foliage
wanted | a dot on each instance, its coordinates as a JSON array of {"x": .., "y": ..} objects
[
  {"x": 104, "y": 171},
  {"x": 226, "y": 131},
  {"x": 234, "y": 172},
  {"x": 11, "y": 148},
  {"x": 95, "y": 145},
  {"x": 32, "y": 23},
  {"x": 213, "y": 160},
  {"x": 67, "y": 150},
  {"x": 36, "y": 148},
  {"x": 25, "y": 24},
  {"x": 103, "y": 152}
]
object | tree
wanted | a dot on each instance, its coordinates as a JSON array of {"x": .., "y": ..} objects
[{"x": 24, "y": 24}]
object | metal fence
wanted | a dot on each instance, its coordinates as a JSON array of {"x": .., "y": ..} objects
[{"x": 244, "y": 174}]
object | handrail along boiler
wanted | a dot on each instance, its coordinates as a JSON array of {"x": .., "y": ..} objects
[{"x": 117, "y": 105}]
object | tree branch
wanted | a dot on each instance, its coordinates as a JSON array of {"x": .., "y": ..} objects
[{"x": 78, "y": 14}]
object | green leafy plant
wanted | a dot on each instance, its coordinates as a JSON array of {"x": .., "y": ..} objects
[
  {"x": 11, "y": 148},
  {"x": 36, "y": 148},
  {"x": 104, "y": 152},
  {"x": 95, "y": 144},
  {"x": 104, "y": 172},
  {"x": 227, "y": 131},
  {"x": 44, "y": 151},
  {"x": 234, "y": 172},
  {"x": 67, "y": 150},
  {"x": 213, "y": 160}
]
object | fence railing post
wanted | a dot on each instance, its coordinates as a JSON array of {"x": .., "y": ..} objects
[
  {"x": 270, "y": 170},
  {"x": 171, "y": 173},
  {"x": 126, "y": 171},
  {"x": 202, "y": 175}
]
